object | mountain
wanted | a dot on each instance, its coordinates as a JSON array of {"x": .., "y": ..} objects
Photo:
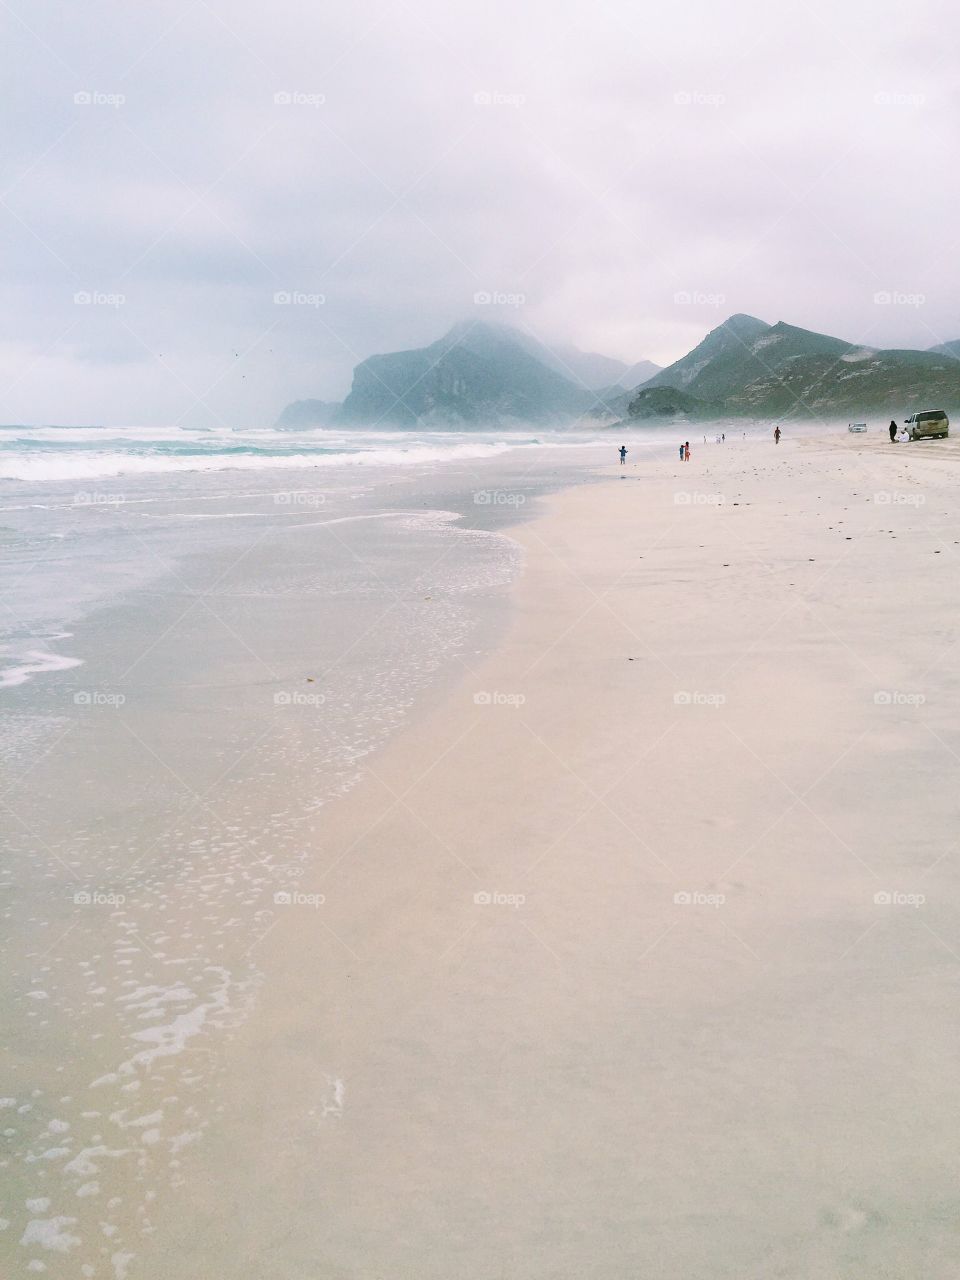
[
  {"x": 487, "y": 374},
  {"x": 747, "y": 367},
  {"x": 307, "y": 413},
  {"x": 477, "y": 374},
  {"x": 585, "y": 369},
  {"x": 739, "y": 350},
  {"x": 948, "y": 349},
  {"x": 638, "y": 374},
  {"x": 651, "y": 403},
  {"x": 891, "y": 383}
]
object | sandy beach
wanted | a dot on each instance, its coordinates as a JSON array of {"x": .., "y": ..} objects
[{"x": 638, "y": 956}]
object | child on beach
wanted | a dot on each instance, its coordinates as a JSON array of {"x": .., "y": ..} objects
[
  {"x": 686, "y": 451},
  {"x": 623, "y": 454}
]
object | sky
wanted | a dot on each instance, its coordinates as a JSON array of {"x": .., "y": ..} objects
[{"x": 209, "y": 208}]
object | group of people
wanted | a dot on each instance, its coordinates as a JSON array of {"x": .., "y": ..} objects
[
  {"x": 685, "y": 447},
  {"x": 896, "y": 437},
  {"x": 684, "y": 453}
]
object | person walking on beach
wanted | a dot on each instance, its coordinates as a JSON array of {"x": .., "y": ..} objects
[
  {"x": 686, "y": 451},
  {"x": 776, "y": 435},
  {"x": 893, "y": 431},
  {"x": 623, "y": 454},
  {"x": 681, "y": 453}
]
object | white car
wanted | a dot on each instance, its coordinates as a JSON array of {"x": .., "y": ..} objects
[{"x": 930, "y": 424}]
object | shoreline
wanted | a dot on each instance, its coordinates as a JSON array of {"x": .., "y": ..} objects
[{"x": 677, "y": 1031}]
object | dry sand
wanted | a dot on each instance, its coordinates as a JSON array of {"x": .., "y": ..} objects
[{"x": 695, "y": 1043}]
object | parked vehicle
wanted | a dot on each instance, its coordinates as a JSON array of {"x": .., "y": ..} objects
[
  {"x": 931, "y": 424},
  {"x": 856, "y": 427}
]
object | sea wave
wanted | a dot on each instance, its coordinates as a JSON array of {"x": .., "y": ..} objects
[{"x": 38, "y": 466}]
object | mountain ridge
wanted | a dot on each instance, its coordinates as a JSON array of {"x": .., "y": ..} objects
[{"x": 489, "y": 374}]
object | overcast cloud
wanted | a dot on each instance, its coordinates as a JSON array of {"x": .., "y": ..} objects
[{"x": 619, "y": 176}]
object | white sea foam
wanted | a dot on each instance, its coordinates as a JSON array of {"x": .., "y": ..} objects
[
  {"x": 51, "y": 1233},
  {"x": 38, "y": 467},
  {"x": 26, "y": 665}
]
